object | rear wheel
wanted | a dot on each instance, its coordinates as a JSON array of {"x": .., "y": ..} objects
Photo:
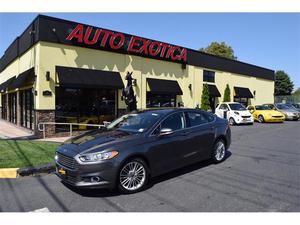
[
  {"x": 260, "y": 119},
  {"x": 219, "y": 151},
  {"x": 133, "y": 176}
]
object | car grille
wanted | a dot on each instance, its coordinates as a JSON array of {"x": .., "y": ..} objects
[
  {"x": 277, "y": 116},
  {"x": 246, "y": 116},
  {"x": 67, "y": 161},
  {"x": 71, "y": 179}
]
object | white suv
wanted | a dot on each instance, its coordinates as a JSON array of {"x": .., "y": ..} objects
[{"x": 234, "y": 112}]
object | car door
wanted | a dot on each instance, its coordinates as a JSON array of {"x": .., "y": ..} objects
[
  {"x": 201, "y": 133},
  {"x": 165, "y": 152},
  {"x": 223, "y": 111}
]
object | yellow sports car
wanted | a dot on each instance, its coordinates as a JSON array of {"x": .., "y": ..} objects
[{"x": 263, "y": 113}]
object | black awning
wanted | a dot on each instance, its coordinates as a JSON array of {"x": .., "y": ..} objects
[
  {"x": 213, "y": 91},
  {"x": 87, "y": 78},
  {"x": 24, "y": 79},
  {"x": 158, "y": 86},
  {"x": 6, "y": 84},
  {"x": 242, "y": 92}
]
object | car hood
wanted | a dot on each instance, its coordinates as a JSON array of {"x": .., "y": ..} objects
[
  {"x": 100, "y": 140},
  {"x": 271, "y": 112},
  {"x": 243, "y": 112}
]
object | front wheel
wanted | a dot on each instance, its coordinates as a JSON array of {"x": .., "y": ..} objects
[
  {"x": 219, "y": 151},
  {"x": 231, "y": 121},
  {"x": 260, "y": 119},
  {"x": 133, "y": 176}
]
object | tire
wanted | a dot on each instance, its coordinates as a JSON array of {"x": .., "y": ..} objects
[
  {"x": 231, "y": 121},
  {"x": 133, "y": 176},
  {"x": 219, "y": 154},
  {"x": 260, "y": 119}
]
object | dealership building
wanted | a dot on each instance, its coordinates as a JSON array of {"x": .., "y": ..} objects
[{"x": 67, "y": 72}]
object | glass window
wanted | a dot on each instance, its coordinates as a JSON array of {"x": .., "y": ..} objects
[
  {"x": 174, "y": 122},
  {"x": 237, "y": 106},
  {"x": 263, "y": 107},
  {"x": 85, "y": 106},
  {"x": 209, "y": 76},
  {"x": 196, "y": 119},
  {"x": 4, "y": 106},
  {"x": 160, "y": 100},
  {"x": 224, "y": 107},
  {"x": 138, "y": 122}
]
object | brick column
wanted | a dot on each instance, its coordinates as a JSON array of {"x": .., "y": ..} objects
[
  {"x": 45, "y": 116},
  {"x": 19, "y": 112}
]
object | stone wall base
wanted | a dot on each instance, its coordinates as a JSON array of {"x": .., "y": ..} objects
[{"x": 45, "y": 116}]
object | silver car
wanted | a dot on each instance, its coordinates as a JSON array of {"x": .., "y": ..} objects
[{"x": 290, "y": 114}]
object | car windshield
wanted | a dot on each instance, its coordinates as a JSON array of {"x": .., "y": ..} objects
[
  {"x": 135, "y": 122},
  {"x": 263, "y": 107},
  {"x": 296, "y": 106},
  {"x": 282, "y": 106},
  {"x": 237, "y": 107}
]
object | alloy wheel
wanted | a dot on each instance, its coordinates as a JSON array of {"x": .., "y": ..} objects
[
  {"x": 220, "y": 151},
  {"x": 133, "y": 176}
]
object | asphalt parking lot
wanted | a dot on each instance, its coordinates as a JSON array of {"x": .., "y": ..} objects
[{"x": 261, "y": 173}]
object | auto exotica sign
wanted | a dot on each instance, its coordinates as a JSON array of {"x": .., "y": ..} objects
[{"x": 118, "y": 41}]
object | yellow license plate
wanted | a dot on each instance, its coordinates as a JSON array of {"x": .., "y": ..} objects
[{"x": 61, "y": 171}]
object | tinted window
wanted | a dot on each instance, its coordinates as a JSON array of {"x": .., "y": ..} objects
[
  {"x": 237, "y": 106},
  {"x": 263, "y": 107},
  {"x": 196, "y": 118},
  {"x": 174, "y": 122},
  {"x": 209, "y": 76},
  {"x": 224, "y": 106},
  {"x": 139, "y": 122}
]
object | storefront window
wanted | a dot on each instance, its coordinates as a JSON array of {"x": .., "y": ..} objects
[
  {"x": 26, "y": 104},
  {"x": 243, "y": 101},
  {"x": 85, "y": 106},
  {"x": 12, "y": 104},
  {"x": 160, "y": 100},
  {"x": 4, "y": 107}
]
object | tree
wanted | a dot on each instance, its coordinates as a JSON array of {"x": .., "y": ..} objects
[
  {"x": 283, "y": 84},
  {"x": 226, "y": 97},
  {"x": 219, "y": 49},
  {"x": 297, "y": 92},
  {"x": 205, "y": 98}
]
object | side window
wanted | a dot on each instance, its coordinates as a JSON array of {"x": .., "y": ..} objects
[
  {"x": 174, "y": 122},
  {"x": 224, "y": 107},
  {"x": 198, "y": 118}
]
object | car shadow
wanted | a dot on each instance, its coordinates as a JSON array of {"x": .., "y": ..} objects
[{"x": 153, "y": 181}]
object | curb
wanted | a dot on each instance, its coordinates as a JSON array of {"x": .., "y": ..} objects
[
  {"x": 9, "y": 173},
  {"x": 34, "y": 171}
]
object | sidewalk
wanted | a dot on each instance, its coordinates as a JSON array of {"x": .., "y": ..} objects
[{"x": 9, "y": 131}]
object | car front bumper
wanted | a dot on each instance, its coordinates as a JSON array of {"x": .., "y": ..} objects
[
  {"x": 242, "y": 120},
  {"x": 292, "y": 117},
  {"x": 85, "y": 176}
]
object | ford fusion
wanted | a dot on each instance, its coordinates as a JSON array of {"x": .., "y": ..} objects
[{"x": 141, "y": 145}]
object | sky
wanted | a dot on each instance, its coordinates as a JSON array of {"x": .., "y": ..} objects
[{"x": 270, "y": 40}]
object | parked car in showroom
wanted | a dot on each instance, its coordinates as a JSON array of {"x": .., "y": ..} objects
[
  {"x": 290, "y": 114},
  {"x": 141, "y": 145},
  {"x": 264, "y": 113},
  {"x": 234, "y": 112}
]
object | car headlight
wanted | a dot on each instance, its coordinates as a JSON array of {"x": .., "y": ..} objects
[
  {"x": 237, "y": 113},
  {"x": 289, "y": 114},
  {"x": 98, "y": 156}
]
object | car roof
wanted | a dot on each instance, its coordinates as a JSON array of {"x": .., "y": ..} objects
[{"x": 163, "y": 110}]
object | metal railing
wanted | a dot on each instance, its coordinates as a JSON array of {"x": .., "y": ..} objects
[{"x": 42, "y": 126}]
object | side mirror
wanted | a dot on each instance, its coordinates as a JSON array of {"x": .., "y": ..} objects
[{"x": 165, "y": 131}]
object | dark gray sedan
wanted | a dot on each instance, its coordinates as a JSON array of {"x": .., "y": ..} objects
[{"x": 141, "y": 145}]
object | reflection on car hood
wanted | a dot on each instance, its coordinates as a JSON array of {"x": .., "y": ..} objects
[
  {"x": 243, "y": 112},
  {"x": 91, "y": 139}
]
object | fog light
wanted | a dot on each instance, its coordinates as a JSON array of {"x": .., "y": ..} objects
[{"x": 95, "y": 179}]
